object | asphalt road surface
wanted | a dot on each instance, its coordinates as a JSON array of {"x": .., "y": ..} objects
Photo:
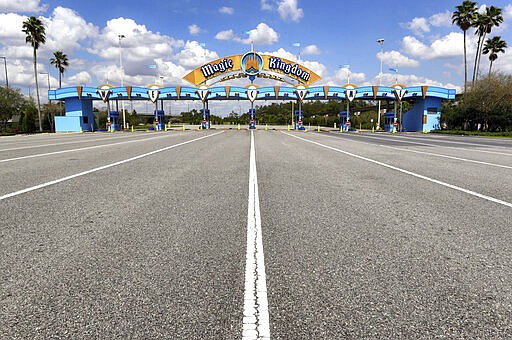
[{"x": 227, "y": 234}]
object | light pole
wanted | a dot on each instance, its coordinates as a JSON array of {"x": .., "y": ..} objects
[
  {"x": 381, "y": 42},
  {"x": 6, "y": 78},
  {"x": 121, "y": 36}
]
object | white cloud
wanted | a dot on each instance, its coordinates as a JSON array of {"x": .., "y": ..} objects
[
  {"x": 193, "y": 55},
  {"x": 265, "y": 6},
  {"x": 340, "y": 77},
  {"x": 396, "y": 59},
  {"x": 65, "y": 29},
  {"x": 262, "y": 35},
  {"x": 418, "y": 25},
  {"x": 194, "y": 29},
  {"x": 225, "y": 35},
  {"x": 441, "y": 19},
  {"x": 421, "y": 25},
  {"x": 226, "y": 10},
  {"x": 82, "y": 78},
  {"x": 10, "y": 29},
  {"x": 448, "y": 46},
  {"x": 22, "y": 6},
  {"x": 310, "y": 49},
  {"x": 288, "y": 10},
  {"x": 138, "y": 45}
]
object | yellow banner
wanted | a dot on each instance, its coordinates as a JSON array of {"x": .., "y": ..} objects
[{"x": 252, "y": 64}]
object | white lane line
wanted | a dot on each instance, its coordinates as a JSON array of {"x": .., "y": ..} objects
[
  {"x": 437, "y": 146},
  {"x": 79, "y": 149},
  {"x": 256, "y": 317},
  {"x": 432, "y": 154},
  {"x": 446, "y": 156},
  {"x": 470, "y": 192},
  {"x": 61, "y": 143},
  {"x": 103, "y": 167}
]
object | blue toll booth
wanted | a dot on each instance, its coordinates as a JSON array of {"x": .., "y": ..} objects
[
  {"x": 389, "y": 120},
  {"x": 113, "y": 125},
  {"x": 252, "y": 118},
  {"x": 299, "y": 122},
  {"x": 159, "y": 120},
  {"x": 205, "y": 123},
  {"x": 343, "y": 120}
]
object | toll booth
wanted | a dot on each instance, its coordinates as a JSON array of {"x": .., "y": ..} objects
[
  {"x": 205, "y": 123},
  {"x": 389, "y": 121},
  {"x": 252, "y": 118},
  {"x": 159, "y": 120},
  {"x": 113, "y": 124},
  {"x": 344, "y": 122},
  {"x": 299, "y": 123}
]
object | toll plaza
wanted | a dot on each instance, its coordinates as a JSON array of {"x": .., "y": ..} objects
[{"x": 424, "y": 116}]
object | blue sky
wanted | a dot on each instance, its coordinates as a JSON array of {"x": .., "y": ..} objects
[{"x": 181, "y": 35}]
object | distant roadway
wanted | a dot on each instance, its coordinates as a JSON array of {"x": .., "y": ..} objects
[{"x": 190, "y": 235}]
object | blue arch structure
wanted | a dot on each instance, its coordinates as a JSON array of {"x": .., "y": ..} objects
[{"x": 424, "y": 116}]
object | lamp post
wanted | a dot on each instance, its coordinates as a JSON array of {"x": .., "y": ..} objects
[
  {"x": 6, "y": 78},
  {"x": 381, "y": 42},
  {"x": 121, "y": 36}
]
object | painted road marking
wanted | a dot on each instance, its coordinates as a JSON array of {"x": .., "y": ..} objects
[
  {"x": 103, "y": 167},
  {"x": 432, "y": 154},
  {"x": 256, "y": 317},
  {"x": 79, "y": 149},
  {"x": 470, "y": 192},
  {"x": 61, "y": 143},
  {"x": 450, "y": 157},
  {"x": 437, "y": 146}
]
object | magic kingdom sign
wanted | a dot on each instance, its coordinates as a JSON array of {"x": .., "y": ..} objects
[{"x": 252, "y": 65}]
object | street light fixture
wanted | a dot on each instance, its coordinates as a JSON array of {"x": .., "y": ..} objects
[
  {"x": 381, "y": 42},
  {"x": 121, "y": 36},
  {"x": 6, "y": 78}
]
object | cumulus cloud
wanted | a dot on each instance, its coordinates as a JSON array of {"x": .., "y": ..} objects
[
  {"x": 262, "y": 35},
  {"x": 194, "y": 29},
  {"x": 310, "y": 49},
  {"x": 138, "y": 45},
  {"x": 193, "y": 55},
  {"x": 421, "y": 25},
  {"x": 441, "y": 19},
  {"x": 225, "y": 35},
  {"x": 288, "y": 9},
  {"x": 340, "y": 77},
  {"x": 448, "y": 46},
  {"x": 226, "y": 10},
  {"x": 418, "y": 25},
  {"x": 82, "y": 78},
  {"x": 396, "y": 59},
  {"x": 30, "y": 6},
  {"x": 65, "y": 30}
]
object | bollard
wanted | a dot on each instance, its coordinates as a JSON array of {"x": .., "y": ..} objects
[
  {"x": 183, "y": 127},
  {"x": 318, "y": 128},
  {"x": 81, "y": 131},
  {"x": 266, "y": 127},
  {"x": 373, "y": 129},
  {"x": 288, "y": 128},
  {"x": 238, "y": 127},
  {"x": 132, "y": 128}
]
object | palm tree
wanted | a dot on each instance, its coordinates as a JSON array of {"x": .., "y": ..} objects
[
  {"x": 464, "y": 16},
  {"x": 493, "y": 47},
  {"x": 35, "y": 31},
  {"x": 484, "y": 23},
  {"x": 60, "y": 60}
]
